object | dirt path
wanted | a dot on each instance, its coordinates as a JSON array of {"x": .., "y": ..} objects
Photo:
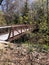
[{"x": 12, "y": 54}]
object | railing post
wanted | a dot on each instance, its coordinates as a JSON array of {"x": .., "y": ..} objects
[
  {"x": 12, "y": 32},
  {"x": 21, "y": 29},
  {"x": 9, "y": 33}
]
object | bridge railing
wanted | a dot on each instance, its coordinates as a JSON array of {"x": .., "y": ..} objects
[
  {"x": 17, "y": 28},
  {"x": 12, "y": 28}
]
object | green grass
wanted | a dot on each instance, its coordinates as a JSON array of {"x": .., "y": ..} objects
[{"x": 36, "y": 47}]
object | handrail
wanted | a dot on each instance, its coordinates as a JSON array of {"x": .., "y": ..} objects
[{"x": 3, "y": 27}]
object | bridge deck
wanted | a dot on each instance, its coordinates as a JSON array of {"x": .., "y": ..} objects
[{"x": 5, "y": 36}]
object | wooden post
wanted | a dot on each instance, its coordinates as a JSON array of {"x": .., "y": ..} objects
[
  {"x": 21, "y": 29},
  {"x": 9, "y": 33},
  {"x": 12, "y": 32}
]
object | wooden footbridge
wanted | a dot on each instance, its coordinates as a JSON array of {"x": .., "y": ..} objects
[{"x": 14, "y": 32}]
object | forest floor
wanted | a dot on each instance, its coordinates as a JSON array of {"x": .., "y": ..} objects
[{"x": 22, "y": 54}]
